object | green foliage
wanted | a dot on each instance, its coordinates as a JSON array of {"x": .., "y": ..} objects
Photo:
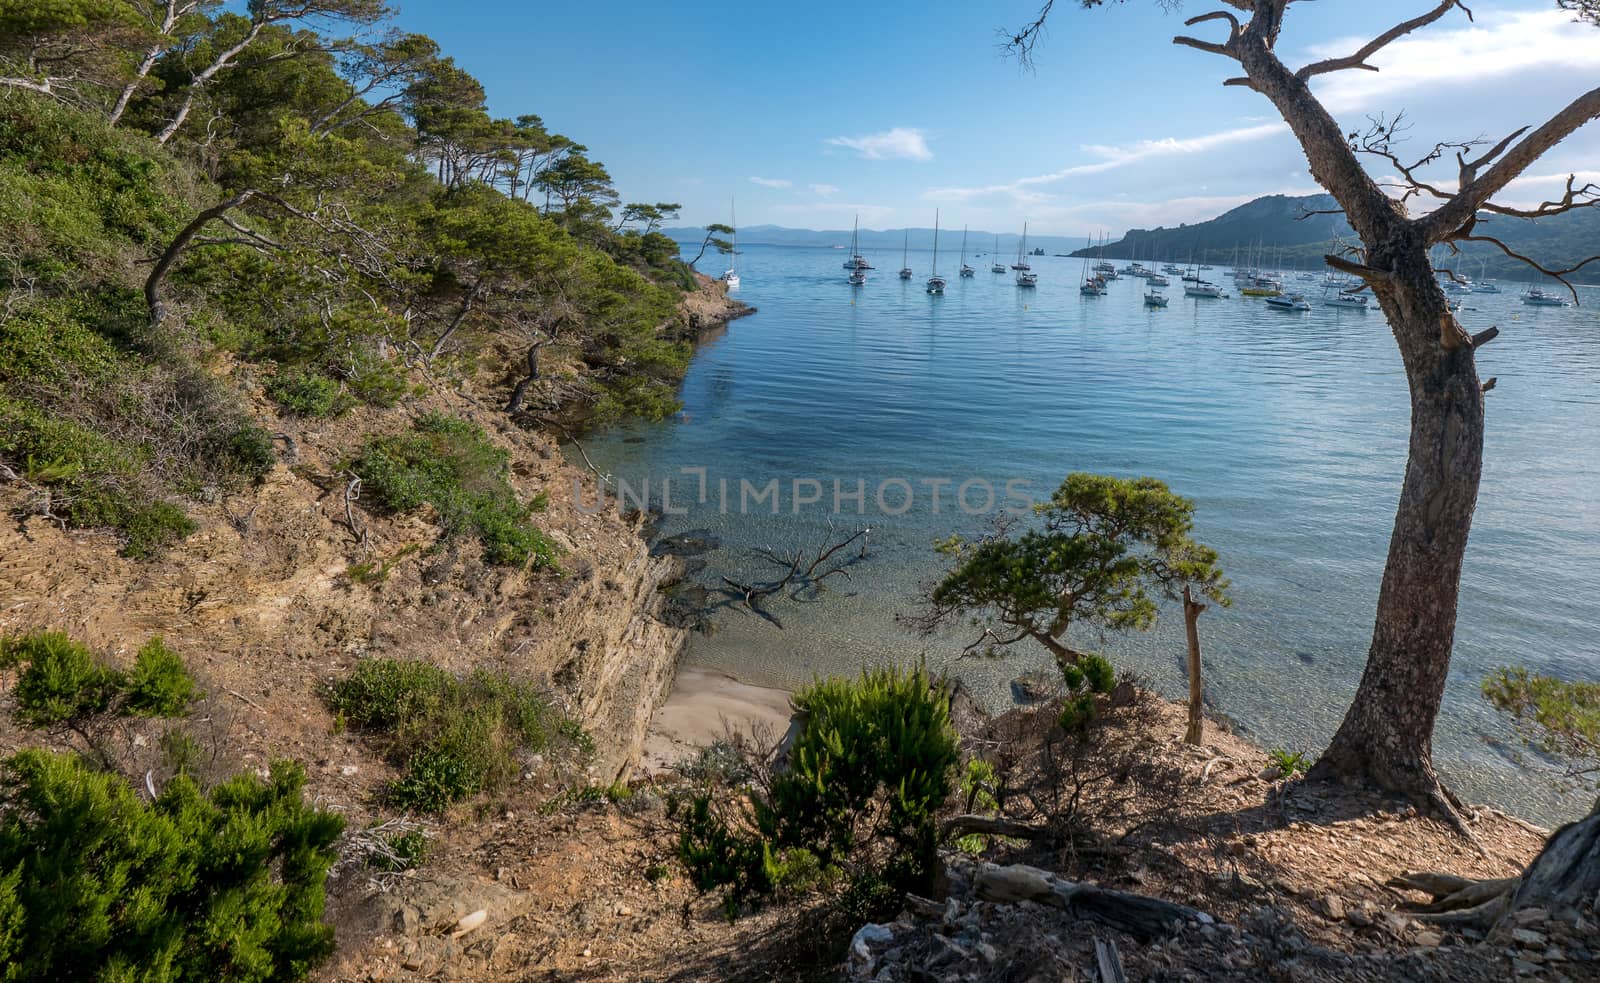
[
  {"x": 1090, "y": 677},
  {"x": 63, "y": 682},
  {"x": 977, "y": 794},
  {"x": 867, "y": 771},
  {"x": 160, "y": 684},
  {"x": 1289, "y": 763},
  {"x": 1559, "y": 717},
  {"x": 451, "y": 465},
  {"x": 454, "y": 737},
  {"x": 100, "y": 885},
  {"x": 1103, "y": 545},
  {"x": 309, "y": 394}
]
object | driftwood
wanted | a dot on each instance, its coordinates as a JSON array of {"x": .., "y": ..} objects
[
  {"x": 1109, "y": 961},
  {"x": 1144, "y": 918},
  {"x": 805, "y": 572}
]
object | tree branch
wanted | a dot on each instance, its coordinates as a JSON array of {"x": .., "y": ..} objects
[
  {"x": 1359, "y": 59},
  {"x": 1560, "y": 275}
]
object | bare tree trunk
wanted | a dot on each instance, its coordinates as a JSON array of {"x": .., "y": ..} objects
[
  {"x": 520, "y": 393},
  {"x": 222, "y": 61},
  {"x": 169, "y": 19},
  {"x": 1386, "y": 736},
  {"x": 152, "y": 284},
  {"x": 1191, "y": 624}
]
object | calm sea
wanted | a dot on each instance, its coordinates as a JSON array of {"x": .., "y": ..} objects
[{"x": 1287, "y": 429}]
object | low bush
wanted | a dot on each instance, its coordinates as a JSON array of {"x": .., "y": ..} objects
[
  {"x": 1087, "y": 679},
  {"x": 63, "y": 682},
  {"x": 855, "y": 807},
  {"x": 451, "y": 465},
  {"x": 454, "y": 737},
  {"x": 304, "y": 392},
  {"x": 99, "y": 885}
]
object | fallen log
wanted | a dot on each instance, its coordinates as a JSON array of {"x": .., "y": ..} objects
[{"x": 1143, "y": 917}]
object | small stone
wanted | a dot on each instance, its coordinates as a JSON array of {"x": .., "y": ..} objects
[
  {"x": 413, "y": 964},
  {"x": 1555, "y": 954},
  {"x": 348, "y": 770},
  {"x": 587, "y": 952},
  {"x": 1431, "y": 940},
  {"x": 1524, "y": 968},
  {"x": 1528, "y": 917},
  {"x": 1331, "y": 907},
  {"x": 1271, "y": 774},
  {"x": 1359, "y": 917},
  {"x": 623, "y": 911},
  {"x": 988, "y": 952},
  {"x": 1528, "y": 938},
  {"x": 408, "y": 920}
]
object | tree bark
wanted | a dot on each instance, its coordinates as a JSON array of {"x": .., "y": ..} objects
[
  {"x": 152, "y": 284},
  {"x": 1191, "y": 624},
  {"x": 1387, "y": 735}
]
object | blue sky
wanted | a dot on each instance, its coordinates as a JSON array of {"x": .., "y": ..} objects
[{"x": 809, "y": 113}]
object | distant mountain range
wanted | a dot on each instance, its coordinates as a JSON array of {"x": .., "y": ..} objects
[
  {"x": 1290, "y": 232},
  {"x": 881, "y": 239}
]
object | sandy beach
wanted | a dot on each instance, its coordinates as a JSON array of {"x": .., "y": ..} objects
[{"x": 703, "y": 706}]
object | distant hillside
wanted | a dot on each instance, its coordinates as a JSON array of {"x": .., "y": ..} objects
[
  {"x": 880, "y": 239},
  {"x": 1279, "y": 225}
]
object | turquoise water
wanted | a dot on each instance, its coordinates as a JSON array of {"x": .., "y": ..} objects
[{"x": 1287, "y": 429}]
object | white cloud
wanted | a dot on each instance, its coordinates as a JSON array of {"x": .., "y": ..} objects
[
  {"x": 823, "y": 190},
  {"x": 1116, "y": 216},
  {"x": 1500, "y": 44},
  {"x": 901, "y": 142},
  {"x": 1022, "y": 189},
  {"x": 772, "y": 182}
]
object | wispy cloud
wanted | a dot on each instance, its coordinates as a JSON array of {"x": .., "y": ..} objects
[
  {"x": 823, "y": 190},
  {"x": 772, "y": 182},
  {"x": 899, "y": 143},
  {"x": 1500, "y": 44},
  {"x": 1025, "y": 190}
]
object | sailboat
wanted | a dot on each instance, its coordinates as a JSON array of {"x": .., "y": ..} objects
[
  {"x": 1022, "y": 251},
  {"x": 1024, "y": 278},
  {"x": 731, "y": 278},
  {"x": 936, "y": 282},
  {"x": 997, "y": 266},
  {"x": 857, "y": 266},
  {"x": 856, "y": 260},
  {"x": 905, "y": 270},
  {"x": 966, "y": 270},
  {"x": 1092, "y": 286}
]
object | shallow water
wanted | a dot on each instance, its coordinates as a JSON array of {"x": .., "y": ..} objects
[{"x": 1287, "y": 429}]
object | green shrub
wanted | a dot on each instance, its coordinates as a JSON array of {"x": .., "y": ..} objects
[
  {"x": 1090, "y": 677},
  {"x": 451, "y": 465},
  {"x": 866, "y": 774},
  {"x": 99, "y": 885},
  {"x": 1289, "y": 763},
  {"x": 160, "y": 684},
  {"x": 62, "y": 681},
  {"x": 309, "y": 394},
  {"x": 454, "y": 737}
]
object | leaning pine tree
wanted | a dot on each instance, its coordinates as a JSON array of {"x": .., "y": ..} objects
[{"x": 1386, "y": 737}]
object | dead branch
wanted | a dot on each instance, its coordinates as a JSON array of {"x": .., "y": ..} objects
[
  {"x": 1367, "y": 273},
  {"x": 1560, "y": 275},
  {"x": 803, "y": 571},
  {"x": 988, "y": 826},
  {"x": 1366, "y": 51},
  {"x": 352, "y": 493}
]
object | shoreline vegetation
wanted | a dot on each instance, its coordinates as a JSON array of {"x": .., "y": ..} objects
[{"x": 311, "y": 666}]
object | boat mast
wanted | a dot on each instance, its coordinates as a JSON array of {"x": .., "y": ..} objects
[{"x": 936, "y": 243}]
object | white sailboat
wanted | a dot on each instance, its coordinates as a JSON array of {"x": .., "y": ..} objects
[
  {"x": 856, "y": 261},
  {"x": 905, "y": 268},
  {"x": 966, "y": 270},
  {"x": 936, "y": 282},
  {"x": 1024, "y": 277},
  {"x": 997, "y": 266},
  {"x": 857, "y": 266},
  {"x": 731, "y": 278}
]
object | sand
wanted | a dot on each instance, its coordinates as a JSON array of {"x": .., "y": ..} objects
[{"x": 701, "y": 708}]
